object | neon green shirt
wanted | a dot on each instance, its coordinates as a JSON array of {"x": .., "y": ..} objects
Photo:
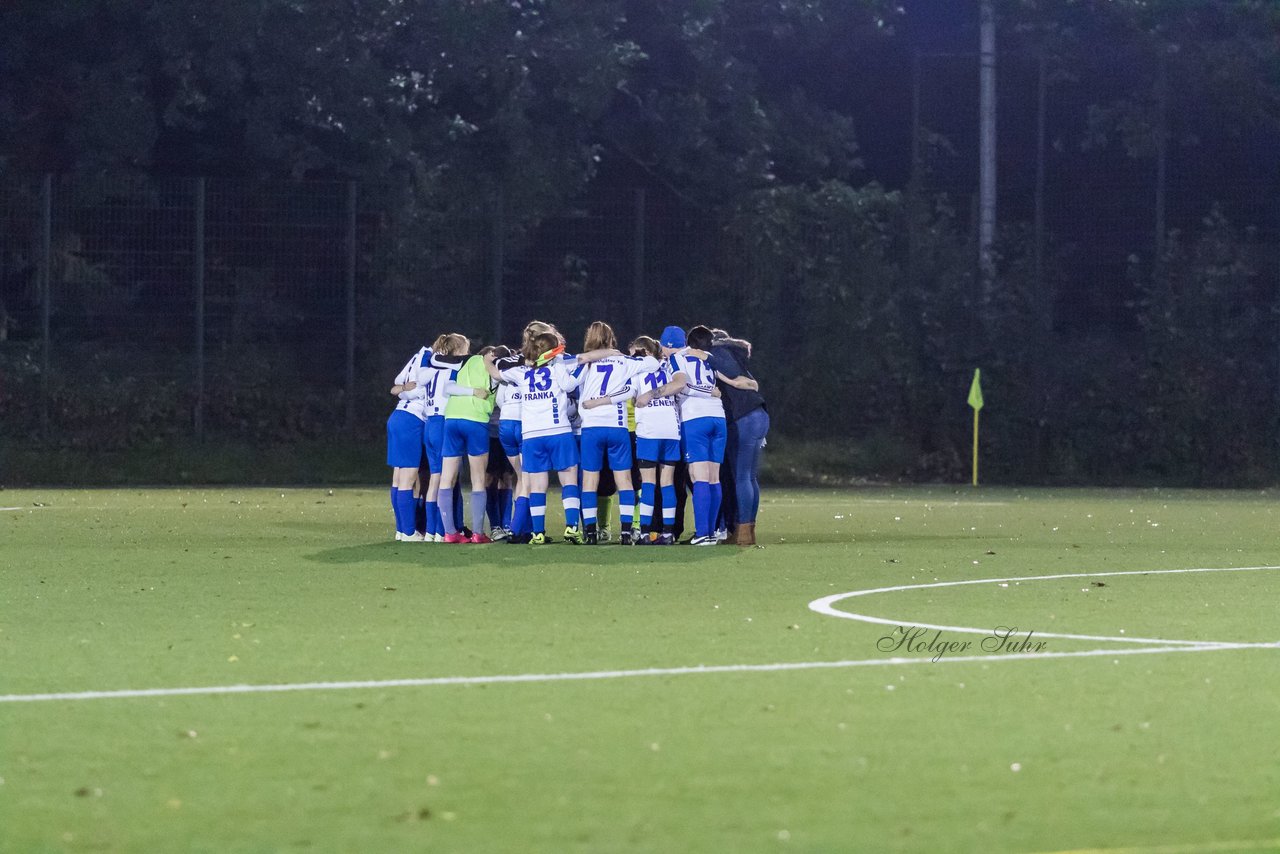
[{"x": 466, "y": 406}]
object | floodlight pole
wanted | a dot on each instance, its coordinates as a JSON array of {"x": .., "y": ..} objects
[
  {"x": 349, "y": 416},
  {"x": 987, "y": 144},
  {"x": 198, "y": 275},
  {"x": 1042, "y": 291},
  {"x": 45, "y": 272}
]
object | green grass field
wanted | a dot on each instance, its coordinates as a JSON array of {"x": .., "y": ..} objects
[{"x": 628, "y": 724}]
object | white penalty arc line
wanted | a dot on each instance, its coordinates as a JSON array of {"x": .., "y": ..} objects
[
  {"x": 592, "y": 675},
  {"x": 826, "y": 606},
  {"x": 821, "y": 606}
]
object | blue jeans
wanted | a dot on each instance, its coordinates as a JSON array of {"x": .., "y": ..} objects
[{"x": 750, "y": 431}]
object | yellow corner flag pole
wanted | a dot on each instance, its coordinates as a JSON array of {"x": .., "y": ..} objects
[{"x": 975, "y": 400}]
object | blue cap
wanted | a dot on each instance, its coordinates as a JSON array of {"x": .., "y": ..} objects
[{"x": 672, "y": 336}]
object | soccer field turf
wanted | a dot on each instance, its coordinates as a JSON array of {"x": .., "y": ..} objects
[{"x": 556, "y": 698}]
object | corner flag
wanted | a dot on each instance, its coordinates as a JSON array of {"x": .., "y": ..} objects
[
  {"x": 975, "y": 400},
  {"x": 975, "y": 391}
]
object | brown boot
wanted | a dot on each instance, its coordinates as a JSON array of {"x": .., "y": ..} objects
[{"x": 746, "y": 534}]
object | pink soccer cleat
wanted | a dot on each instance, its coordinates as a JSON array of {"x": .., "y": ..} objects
[{"x": 456, "y": 537}]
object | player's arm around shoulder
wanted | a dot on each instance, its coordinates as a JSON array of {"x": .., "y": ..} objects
[
  {"x": 491, "y": 367},
  {"x": 405, "y": 381},
  {"x": 625, "y": 393},
  {"x": 452, "y": 363},
  {"x": 678, "y": 383},
  {"x": 595, "y": 356},
  {"x": 742, "y": 382},
  {"x": 565, "y": 374}
]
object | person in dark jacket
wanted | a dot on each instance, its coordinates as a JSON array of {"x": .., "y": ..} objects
[{"x": 748, "y": 423}]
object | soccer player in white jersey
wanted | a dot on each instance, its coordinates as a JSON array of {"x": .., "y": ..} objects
[
  {"x": 404, "y": 445},
  {"x": 657, "y": 439},
  {"x": 703, "y": 423},
  {"x": 605, "y": 437},
  {"x": 547, "y": 444},
  {"x": 569, "y": 498},
  {"x": 434, "y": 380},
  {"x": 509, "y": 438}
]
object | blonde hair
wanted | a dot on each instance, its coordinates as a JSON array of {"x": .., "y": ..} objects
[
  {"x": 538, "y": 327},
  {"x": 599, "y": 337},
  {"x": 451, "y": 344}
]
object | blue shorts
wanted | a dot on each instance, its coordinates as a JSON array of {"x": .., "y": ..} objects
[
  {"x": 549, "y": 453},
  {"x": 433, "y": 441},
  {"x": 404, "y": 440},
  {"x": 465, "y": 437},
  {"x": 658, "y": 450},
  {"x": 600, "y": 443},
  {"x": 509, "y": 433},
  {"x": 704, "y": 440}
]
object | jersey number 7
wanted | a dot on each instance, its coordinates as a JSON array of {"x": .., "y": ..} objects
[{"x": 607, "y": 370}]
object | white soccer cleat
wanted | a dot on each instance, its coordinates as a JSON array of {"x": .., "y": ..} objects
[
  {"x": 412, "y": 538},
  {"x": 398, "y": 536},
  {"x": 705, "y": 541},
  {"x": 722, "y": 535}
]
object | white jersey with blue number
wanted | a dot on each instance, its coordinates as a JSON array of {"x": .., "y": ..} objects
[
  {"x": 544, "y": 397},
  {"x": 697, "y": 401},
  {"x": 607, "y": 377},
  {"x": 433, "y": 380},
  {"x": 414, "y": 401},
  {"x": 509, "y": 401},
  {"x": 661, "y": 418}
]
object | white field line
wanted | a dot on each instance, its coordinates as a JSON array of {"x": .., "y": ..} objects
[
  {"x": 826, "y": 605},
  {"x": 605, "y": 674},
  {"x": 1193, "y": 848},
  {"x": 821, "y": 606},
  {"x": 925, "y": 502}
]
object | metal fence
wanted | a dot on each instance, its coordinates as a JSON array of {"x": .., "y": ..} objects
[
  {"x": 200, "y": 301},
  {"x": 135, "y": 310},
  {"x": 174, "y": 284}
]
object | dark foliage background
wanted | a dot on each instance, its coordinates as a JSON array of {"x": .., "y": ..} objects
[{"x": 801, "y": 172}]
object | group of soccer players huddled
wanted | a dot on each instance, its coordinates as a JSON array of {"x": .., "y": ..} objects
[{"x": 663, "y": 413}]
